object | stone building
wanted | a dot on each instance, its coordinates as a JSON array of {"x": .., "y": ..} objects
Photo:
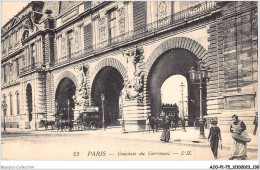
[{"x": 60, "y": 57}]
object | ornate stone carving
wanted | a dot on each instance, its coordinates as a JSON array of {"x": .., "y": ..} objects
[
  {"x": 102, "y": 29},
  {"x": 162, "y": 10},
  {"x": 64, "y": 46},
  {"x": 81, "y": 96},
  {"x": 31, "y": 24},
  {"x": 95, "y": 16},
  {"x": 121, "y": 20},
  {"x": 133, "y": 87}
]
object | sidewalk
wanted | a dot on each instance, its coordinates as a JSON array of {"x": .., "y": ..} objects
[{"x": 190, "y": 137}]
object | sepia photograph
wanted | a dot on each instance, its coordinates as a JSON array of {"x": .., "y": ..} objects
[{"x": 130, "y": 81}]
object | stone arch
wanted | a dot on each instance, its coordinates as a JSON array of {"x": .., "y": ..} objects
[
  {"x": 176, "y": 42},
  {"x": 65, "y": 74},
  {"x": 109, "y": 62}
]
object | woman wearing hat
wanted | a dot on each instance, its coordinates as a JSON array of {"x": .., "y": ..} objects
[{"x": 214, "y": 137}]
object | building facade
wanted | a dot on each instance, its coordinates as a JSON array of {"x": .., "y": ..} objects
[{"x": 59, "y": 58}]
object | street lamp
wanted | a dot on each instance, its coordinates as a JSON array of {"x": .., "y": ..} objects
[
  {"x": 183, "y": 118},
  {"x": 103, "y": 111},
  {"x": 4, "y": 107},
  {"x": 200, "y": 76},
  {"x": 68, "y": 102}
]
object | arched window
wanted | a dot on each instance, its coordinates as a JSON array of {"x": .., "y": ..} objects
[
  {"x": 18, "y": 102},
  {"x": 11, "y": 105},
  {"x": 4, "y": 97}
]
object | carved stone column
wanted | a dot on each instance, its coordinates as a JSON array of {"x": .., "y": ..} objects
[{"x": 133, "y": 107}]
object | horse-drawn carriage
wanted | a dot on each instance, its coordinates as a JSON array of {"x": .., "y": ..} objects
[
  {"x": 170, "y": 112},
  {"x": 86, "y": 121}
]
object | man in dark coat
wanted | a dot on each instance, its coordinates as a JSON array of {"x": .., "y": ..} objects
[
  {"x": 214, "y": 138},
  {"x": 256, "y": 124}
]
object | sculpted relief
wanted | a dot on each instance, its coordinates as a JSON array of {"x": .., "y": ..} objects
[
  {"x": 81, "y": 96},
  {"x": 133, "y": 87}
]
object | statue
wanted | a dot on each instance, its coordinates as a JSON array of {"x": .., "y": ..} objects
[
  {"x": 134, "y": 86},
  {"x": 82, "y": 93}
]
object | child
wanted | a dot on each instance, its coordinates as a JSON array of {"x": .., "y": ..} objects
[{"x": 214, "y": 137}]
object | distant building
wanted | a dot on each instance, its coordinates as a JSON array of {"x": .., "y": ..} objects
[{"x": 59, "y": 57}]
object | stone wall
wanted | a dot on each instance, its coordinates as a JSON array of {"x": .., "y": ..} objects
[{"x": 233, "y": 57}]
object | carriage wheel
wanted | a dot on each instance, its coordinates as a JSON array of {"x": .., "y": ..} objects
[
  {"x": 93, "y": 125},
  {"x": 85, "y": 126}
]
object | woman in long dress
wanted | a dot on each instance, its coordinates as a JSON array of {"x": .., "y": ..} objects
[
  {"x": 239, "y": 146},
  {"x": 165, "y": 137}
]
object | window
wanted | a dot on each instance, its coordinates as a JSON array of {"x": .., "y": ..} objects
[
  {"x": 81, "y": 37},
  {"x": 10, "y": 41},
  {"x": 19, "y": 36},
  {"x": 112, "y": 24},
  {"x": 33, "y": 54},
  {"x": 7, "y": 42},
  {"x": 59, "y": 46},
  {"x": 70, "y": 43},
  {"x": 15, "y": 37},
  {"x": 17, "y": 67},
  {"x": 4, "y": 102},
  {"x": 11, "y": 105},
  {"x": 5, "y": 74},
  {"x": 18, "y": 102}
]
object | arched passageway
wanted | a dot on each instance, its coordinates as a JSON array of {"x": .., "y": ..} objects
[
  {"x": 176, "y": 61},
  {"x": 64, "y": 103},
  {"x": 108, "y": 81}
]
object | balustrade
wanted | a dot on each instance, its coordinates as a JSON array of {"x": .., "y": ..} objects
[
  {"x": 169, "y": 21},
  {"x": 32, "y": 67}
]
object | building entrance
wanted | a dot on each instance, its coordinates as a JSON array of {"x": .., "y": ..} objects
[
  {"x": 172, "y": 63},
  {"x": 109, "y": 82},
  {"x": 64, "y": 102}
]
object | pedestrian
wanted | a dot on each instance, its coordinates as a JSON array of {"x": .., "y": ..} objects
[
  {"x": 239, "y": 144},
  {"x": 165, "y": 137},
  {"x": 214, "y": 138},
  {"x": 256, "y": 124}
]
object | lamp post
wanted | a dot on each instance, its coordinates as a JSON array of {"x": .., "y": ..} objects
[
  {"x": 103, "y": 111},
  {"x": 4, "y": 107},
  {"x": 68, "y": 102},
  {"x": 183, "y": 118},
  {"x": 200, "y": 76}
]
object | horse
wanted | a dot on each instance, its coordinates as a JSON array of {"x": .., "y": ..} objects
[
  {"x": 63, "y": 125},
  {"x": 47, "y": 123},
  {"x": 154, "y": 123}
]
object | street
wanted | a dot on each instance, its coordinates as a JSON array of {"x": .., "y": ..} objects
[{"x": 107, "y": 145}]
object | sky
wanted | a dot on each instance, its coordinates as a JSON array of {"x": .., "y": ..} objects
[
  {"x": 171, "y": 92},
  {"x": 10, "y": 8}
]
